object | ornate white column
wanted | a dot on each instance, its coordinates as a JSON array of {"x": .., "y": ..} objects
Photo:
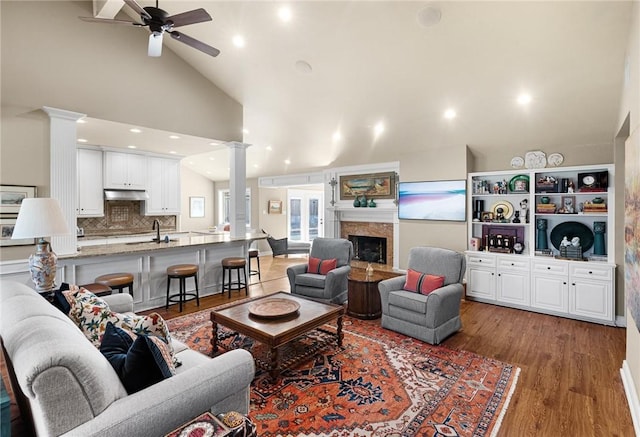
[
  {"x": 63, "y": 185},
  {"x": 238, "y": 187}
]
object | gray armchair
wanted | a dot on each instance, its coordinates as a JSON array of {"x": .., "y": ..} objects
[
  {"x": 329, "y": 288},
  {"x": 282, "y": 246},
  {"x": 430, "y": 318}
]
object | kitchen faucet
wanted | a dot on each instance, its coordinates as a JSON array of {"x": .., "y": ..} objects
[{"x": 156, "y": 227}]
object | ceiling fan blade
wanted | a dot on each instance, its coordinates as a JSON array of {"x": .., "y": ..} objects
[
  {"x": 186, "y": 39},
  {"x": 189, "y": 17},
  {"x": 109, "y": 21},
  {"x": 136, "y": 7}
]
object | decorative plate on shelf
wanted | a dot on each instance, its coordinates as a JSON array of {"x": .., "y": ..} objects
[
  {"x": 507, "y": 209},
  {"x": 274, "y": 308},
  {"x": 517, "y": 162},
  {"x": 519, "y": 184},
  {"x": 571, "y": 230},
  {"x": 555, "y": 159},
  {"x": 536, "y": 159}
]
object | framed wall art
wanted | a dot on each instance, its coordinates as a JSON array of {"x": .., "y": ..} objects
[
  {"x": 6, "y": 231},
  {"x": 275, "y": 207},
  {"x": 376, "y": 185},
  {"x": 11, "y": 197},
  {"x": 196, "y": 206}
]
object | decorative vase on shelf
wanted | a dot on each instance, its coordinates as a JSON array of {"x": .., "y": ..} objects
[
  {"x": 541, "y": 241},
  {"x": 598, "y": 238},
  {"x": 356, "y": 202},
  {"x": 372, "y": 204}
]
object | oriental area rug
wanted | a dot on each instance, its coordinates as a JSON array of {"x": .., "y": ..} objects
[{"x": 380, "y": 383}]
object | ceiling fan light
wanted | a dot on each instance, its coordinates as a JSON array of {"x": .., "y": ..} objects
[{"x": 155, "y": 44}]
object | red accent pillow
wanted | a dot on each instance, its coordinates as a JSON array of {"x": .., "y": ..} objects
[
  {"x": 321, "y": 266},
  {"x": 422, "y": 282}
]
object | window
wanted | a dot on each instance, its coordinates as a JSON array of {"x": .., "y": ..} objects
[{"x": 224, "y": 206}]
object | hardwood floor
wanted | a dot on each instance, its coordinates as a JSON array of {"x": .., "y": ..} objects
[{"x": 569, "y": 382}]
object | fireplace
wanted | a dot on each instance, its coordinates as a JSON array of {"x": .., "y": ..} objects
[
  {"x": 370, "y": 231},
  {"x": 370, "y": 249}
]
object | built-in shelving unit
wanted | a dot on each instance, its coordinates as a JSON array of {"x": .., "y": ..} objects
[{"x": 517, "y": 222}]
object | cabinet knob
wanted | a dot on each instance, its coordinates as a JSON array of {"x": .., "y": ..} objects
[
  {"x": 479, "y": 260},
  {"x": 548, "y": 268},
  {"x": 591, "y": 273},
  {"x": 573, "y": 283},
  {"x": 512, "y": 264}
]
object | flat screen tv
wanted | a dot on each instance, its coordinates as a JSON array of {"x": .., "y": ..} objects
[{"x": 433, "y": 200}]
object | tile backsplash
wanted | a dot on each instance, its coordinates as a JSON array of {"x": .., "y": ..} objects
[{"x": 124, "y": 217}]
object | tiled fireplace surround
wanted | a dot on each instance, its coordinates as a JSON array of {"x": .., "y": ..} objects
[{"x": 369, "y": 229}]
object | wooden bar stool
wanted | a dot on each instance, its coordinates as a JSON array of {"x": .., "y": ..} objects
[
  {"x": 239, "y": 265},
  {"x": 253, "y": 253},
  {"x": 182, "y": 272},
  {"x": 117, "y": 281},
  {"x": 98, "y": 289}
]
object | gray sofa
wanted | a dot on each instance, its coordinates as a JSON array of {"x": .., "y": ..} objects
[
  {"x": 69, "y": 388},
  {"x": 329, "y": 288},
  {"x": 430, "y": 318}
]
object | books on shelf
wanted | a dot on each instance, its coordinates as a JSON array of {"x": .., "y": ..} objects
[{"x": 545, "y": 208}]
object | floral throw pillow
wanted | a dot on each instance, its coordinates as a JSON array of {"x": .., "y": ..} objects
[{"x": 92, "y": 314}]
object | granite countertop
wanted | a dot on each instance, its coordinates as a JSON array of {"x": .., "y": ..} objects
[{"x": 191, "y": 239}]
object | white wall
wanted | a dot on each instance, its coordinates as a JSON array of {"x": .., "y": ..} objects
[{"x": 194, "y": 184}]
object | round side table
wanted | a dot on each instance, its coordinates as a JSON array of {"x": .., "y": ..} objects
[{"x": 364, "y": 297}]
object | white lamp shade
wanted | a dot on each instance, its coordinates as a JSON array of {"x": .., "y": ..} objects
[
  {"x": 38, "y": 218},
  {"x": 155, "y": 44}
]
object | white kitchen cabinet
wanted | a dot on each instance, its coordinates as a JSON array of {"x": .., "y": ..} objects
[
  {"x": 125, "y": 171},
  {"x": 90, "y": 189},
  {"x": 481, "y": 277},
  {"x": 163, "y": 186},
  {"x": 513, "y": 281}
]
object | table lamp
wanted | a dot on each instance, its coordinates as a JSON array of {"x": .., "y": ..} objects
[{"x": 38, "y": 218}]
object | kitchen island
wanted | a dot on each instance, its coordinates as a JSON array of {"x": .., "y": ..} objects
[{"x": 148, "y": 260}]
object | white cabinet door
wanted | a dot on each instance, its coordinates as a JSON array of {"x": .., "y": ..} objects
[
  {"x": 163, "y": 187},
  {"x": 513, "y": 287},
  {"x": 125, "y": 171},
  {"x": 90, "y": 190},
  {"x": 481, "y": 282},
  {"x": 591, "y": 292},
  {"x": 550, "y": 292}
]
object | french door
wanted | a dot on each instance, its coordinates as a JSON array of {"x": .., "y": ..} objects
[{"x": 305, "y": 215}]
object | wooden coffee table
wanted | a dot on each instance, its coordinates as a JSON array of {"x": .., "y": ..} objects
[{"x": 276, "y": 332}]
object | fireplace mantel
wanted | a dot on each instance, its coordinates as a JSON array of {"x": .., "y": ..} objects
[{"x": 353, "y": 214}]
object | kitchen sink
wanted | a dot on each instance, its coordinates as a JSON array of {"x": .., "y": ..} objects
[{"x": 132, "y": 243}]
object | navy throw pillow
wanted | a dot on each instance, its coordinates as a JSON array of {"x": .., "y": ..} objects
[
  {"x": 59, "y": 300},
  {"x": 140, "y": 361}
]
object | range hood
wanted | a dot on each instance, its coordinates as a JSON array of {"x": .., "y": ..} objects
[{"x": 125, "y": 195}]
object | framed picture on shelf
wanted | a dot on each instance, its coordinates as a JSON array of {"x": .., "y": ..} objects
[
  {"x": 275, "y": 207},
  {"x": 11, "y": 197},
  {"x": 6, "y": 231},
  {"x": 568, "y": 205},
  {"x": 486, "y": 216},
  {"x": 196, "y": 207}
]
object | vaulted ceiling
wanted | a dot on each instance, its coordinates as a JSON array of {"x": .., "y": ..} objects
[{"x": 315, "y": 87}]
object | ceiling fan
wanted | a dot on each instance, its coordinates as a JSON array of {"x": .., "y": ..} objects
[{"x": 160, "y": 22}]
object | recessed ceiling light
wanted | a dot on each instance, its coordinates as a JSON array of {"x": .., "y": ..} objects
[
  {"x": 190, "y": 162},
  {"x": 82, "y": 140},
  {"x": 303, "y": 67},
  {"x": 450, "y": 114},
  {"x": 285, "y": 14},
  {"x": 337, "y": 136},
  {"x": 238, "y": 41},
  {"x": 173, "y": 152},
  {"x": 214, "y": 143},
  {"x": 255, "y": 165},
  {"x": 287, "y": 161},
  {"x": 211, "y": 158},
  {"x": 208, "y": 172},
  {"x": 429, "y": 16},
  {"x": 524, "y": 99},
  {"x": 131, "y": 146},
  {"x": 135, "y": 130},
  {"x": 378, "y": 128},
  {"x": 245, "y": 131},
  {"x": 269, "y": 148},
  {"x": 174, "y": 137},
  {"x": 81, "y": 121}
]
